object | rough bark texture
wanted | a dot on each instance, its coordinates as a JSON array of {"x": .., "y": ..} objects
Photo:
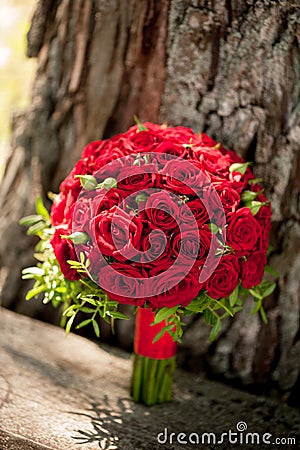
[{"x": 229, "y": 68}]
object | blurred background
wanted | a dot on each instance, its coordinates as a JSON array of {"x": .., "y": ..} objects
[
  {"x": 229, "y": 69},
  {"x": 16, "y": 71}
]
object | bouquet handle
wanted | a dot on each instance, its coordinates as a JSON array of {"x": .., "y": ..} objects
[{"x": 154, "y": 363}]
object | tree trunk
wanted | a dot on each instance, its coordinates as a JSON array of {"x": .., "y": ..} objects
[{"x": 229, "y": 68}]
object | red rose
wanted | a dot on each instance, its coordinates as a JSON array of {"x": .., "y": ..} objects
[
  {"x": 97, "y": 262},
  {"x": 109, "y": 165},
  {"x": 182, "y": 177},
  {"x": 224, "y": 279},
  {"x": 152, "y": 127},
  {"x": 168, "y": 295},
  {"x": 93, "y": 149},
  {"x": 240, "y": 181},
  {"x": 62, "y": 209},
  {"x": 229, "y": 197},
  {"x": 58, "y": 209},
  {"x": 107, "y": 156},
  {"x": 117, "y": 233},
  {"x": 105, "y": 200},
  {"x": 83, "y": 167},
  {"x": 205, "y": 242},
  {"x": 137, "y": 178},
  {"x": 243, "y": 231},
  {"x": 162, "y": 211},
  {"x": 264, "y": 219},
  {"x": 194, "y": 209},
  {"x": 168, "y": 147},
  {"x": 211, "y": 159},
  {"x": 230, "y": 155},
  {"x": 122, "y": 282},
  {"x": 187, "y": 243},
  {"x": 193, "y": 245},
  {"x": 253, "y": 269},
  {"x": 155, "y": 246},
  {"x": 213, "y": 203},
  {"x": 64, "y": 251},
  {"x": 82, "y": 214},
  {"x": 181, "y": 134},
  {"x": 144, "y": 141},
  {"x": 207, "y": 141}
]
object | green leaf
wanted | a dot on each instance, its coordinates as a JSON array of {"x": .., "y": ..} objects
[
  {"x": 158, "y": 336},
  {"x": 30, "y": 220},
  {"x": 248, "y": 196},
  {"x": 164, "y": 313},
  {"x": 199, "y": 303},
  {"x": 254, "y": 206},
  {"x": 33, "y": 271},
  {"x": 263, "y": 315},
  {"x": 117, "y": 315},
  {"x": 35, "y": 292},
  {"x": 77, "y": 237},
  {"x": 86, "y": 310},
  {"x": 222, "y": 304},
  {"x": 70, "y": 323},
  {"x": 239, "y": 167},
  {"x": 88, "y": 182},
  {"x": 272, "y": 271},
  {"x": 84, "y": 323},
  {"x": 209, "y": 317},
  {"x": 269, "y": 290},
  {"x": 36, "y": 228},
  {"x": 234, "y": 296},
  {"x": 255, "y": 181},
  {"x": 215, "y": 330},
  {"x": 74, "y": 263},
  {"x": 108, "y": 184},
  {"x": 61, "y": 289},
  {"x": 141, "y": 127},
  {"x": 255, "y": 294},
  {"x": 256, "y": 308},
  {"x": 41, "y": 209},
  {"x": 213, "y": 228},
  {"x": 96, "y": 328}
]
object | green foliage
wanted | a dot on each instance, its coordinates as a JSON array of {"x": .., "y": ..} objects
[
  {"x": 239, "y": 167},
  {"x": 141, "y": 127},
  {"x": 254, "y": 206},
  {"x": 85, "y": 296},
  {"x": 79, "y": 296},
  {"x": 215, "y": 311}
]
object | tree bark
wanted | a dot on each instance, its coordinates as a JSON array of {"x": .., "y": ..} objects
[{"x": 229, "y": 68}]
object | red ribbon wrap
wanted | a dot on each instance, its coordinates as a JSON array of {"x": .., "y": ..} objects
[{"x": 164, "y": 348}]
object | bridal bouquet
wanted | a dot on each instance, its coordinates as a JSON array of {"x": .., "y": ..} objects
[{"x": 160, "y": 218}]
